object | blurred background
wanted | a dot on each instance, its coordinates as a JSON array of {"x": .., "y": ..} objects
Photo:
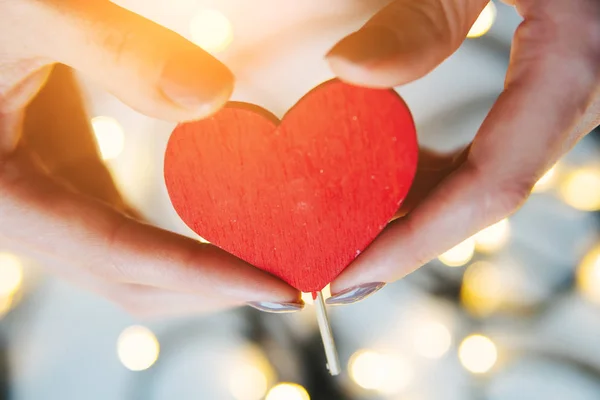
[{"x": 512, "y": 313}]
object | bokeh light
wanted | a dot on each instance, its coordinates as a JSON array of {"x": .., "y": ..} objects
[
  {"x": 460, "y": 254},
  {"x": 6, "y": 303},
  {"x": 287, "y": 391},
  {"x": 588, "y": 276},
  {"x": 109, "y": 136},
  {"x": 478, "y": 354},
  {"x": 211, "y": 30},
  {"x": 581, "y": 189},
  {"x": 484, "y": 22},
  {"x": 432, "y": 340},
  {"x": 247, "y": 382},
  {"x": 385, "y": 373},
  {"x": 251, "y": 375},
  {"x": 137, "y": 348},
  {"x": 483, "y": 290},
  {"x": 547, "y": 181},
  {"x": 492, "y": 238},
  {"x": 11, "y": 274}
]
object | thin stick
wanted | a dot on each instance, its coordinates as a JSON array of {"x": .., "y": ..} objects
[{"x": 333, "y": 361}]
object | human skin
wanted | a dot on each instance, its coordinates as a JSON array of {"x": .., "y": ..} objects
[{"x": 550, "y": 101}]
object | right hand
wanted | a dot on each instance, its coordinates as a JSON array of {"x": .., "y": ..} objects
[{"x": 63, "y": 203}]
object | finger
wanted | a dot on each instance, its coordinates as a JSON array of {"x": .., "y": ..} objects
[
  {"x": 404, "y": 41},
  {"x": 150, "y": 302},
  {"x": 151, "y": 68},
  {"x": 550, "y": 84},
  {"x": 37, "y": 212}
]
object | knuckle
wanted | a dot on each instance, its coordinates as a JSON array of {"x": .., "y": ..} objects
[
  {"x": 433, "y": 19},
  {"x": 440, "y": 20}
]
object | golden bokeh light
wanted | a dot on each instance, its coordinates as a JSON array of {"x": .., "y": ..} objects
[
  {"x": 432, "y": 340},
  {"x": 581, "y": 189},
  {"x": 483, "y": 290},
  {"x": 6, "y": 304},
  {"x": 478, "y": 354},
  {"x": 211, "y": 30},
  {"x": 384, "y": 373},
  {"x": 484, "y": 22},
  {"x": 460, "y": 254},
  {"x": 287, "y": 391},
  {"x": 109, "y": 136},
  {"x": 247, "y": 382},
  {"x": 492, "y": 238},
  {"x": 547, "y": 181},
  {"x": 588, "y": 276},
  {"x": 251, "y": 375},
  {"x": 11, "y": 275},
  {"x": 137, "y": 348}
]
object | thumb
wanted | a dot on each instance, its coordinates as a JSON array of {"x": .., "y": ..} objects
[
  {"x": 404, "y": 41},
  {"x": 150, "y": 68}
]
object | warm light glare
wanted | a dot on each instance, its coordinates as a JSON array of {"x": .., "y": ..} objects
[
  {"x": 11, "y": 274},
  {"x": 581, "y": 189},
  {"x": 109, "y": 136},
  {"x": 478, "y": 354},
  {"x": 247, "y": 382},
  {"x": 251, "y": 374},
  {"x": 211, "y": 30},
  {"x": 492, "y": 238},
  {"x": 308, "y": 299},
  {"x": 460, "y": 254},
  {"x": 588, "y": 276},
  {"x": 384, "y": 373},
  {"x": 484, "y": 21},
  {"x": 432, "y": 340},
  {"x": 137, "y": 348},
  {"x": 6, "y": 304},
  {"x": 483, "y": 289},
  {"x": 287, "y": 391},
  {"x": 546, "y": 181},
  {"x": 201, "y": 239}
]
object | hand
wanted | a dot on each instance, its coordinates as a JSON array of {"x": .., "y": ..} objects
[
  {"x": 58, "y": 200},
  {"x": 550, "y": 101}
]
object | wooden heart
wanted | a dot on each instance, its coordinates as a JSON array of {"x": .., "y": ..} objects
[{"x": 302, "y": 198}]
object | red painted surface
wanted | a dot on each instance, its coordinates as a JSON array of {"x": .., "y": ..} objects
[{"x": 301, "y": 198}]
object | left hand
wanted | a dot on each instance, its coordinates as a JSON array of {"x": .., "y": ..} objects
[
  {"x": 58, "y": 202},
  {"x": 550, "y": 101}
]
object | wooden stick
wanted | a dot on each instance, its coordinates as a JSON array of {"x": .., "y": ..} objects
[{"x": 333, "y": 361}]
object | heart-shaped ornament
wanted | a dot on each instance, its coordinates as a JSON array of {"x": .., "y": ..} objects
[{"x": 300, "y": 198}]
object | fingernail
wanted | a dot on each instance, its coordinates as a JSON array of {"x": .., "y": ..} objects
[
  {"x": 195, "y": 81},
  {"x": 369, "y": 44},
  {"x": 277, "y": 308},
  {"x": 355, "y": 294}
]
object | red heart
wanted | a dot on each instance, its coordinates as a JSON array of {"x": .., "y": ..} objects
[{"x": 300, "y": 200}]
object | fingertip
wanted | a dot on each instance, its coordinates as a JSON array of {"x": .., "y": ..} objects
[
  {"x": 367, "y": 57},
  {"x": 368, "y": 46},
  {"x": 196, "y": 83},
  {"x": 237, "y": 279}
]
